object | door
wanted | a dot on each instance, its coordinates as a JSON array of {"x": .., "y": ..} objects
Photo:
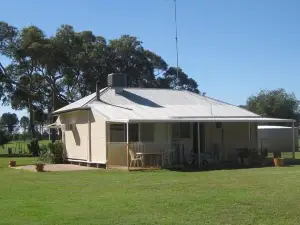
[{"x": 218, "y": 137}]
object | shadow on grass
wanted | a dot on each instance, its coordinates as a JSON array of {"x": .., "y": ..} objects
[{"x": 232, "y": 166}]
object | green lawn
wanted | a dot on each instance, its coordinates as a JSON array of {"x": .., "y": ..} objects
[
  {"x": 18, "y": 146},
  {"x": 246, "y": 196}
]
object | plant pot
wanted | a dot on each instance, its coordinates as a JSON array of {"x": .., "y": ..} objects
[
  {"x": 12, "y": 163},
  {"x": 278, "y": 162},
  {"x": 39, "y": 167}
]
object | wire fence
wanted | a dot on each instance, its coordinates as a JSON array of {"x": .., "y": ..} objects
[{"x": 18, "y": 147}]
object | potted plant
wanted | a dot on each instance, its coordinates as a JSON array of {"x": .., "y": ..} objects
[
  {"x": 278, "y": 161},
  {"x": 39, "y": 166},
  {"x": 12, "y": 163}
]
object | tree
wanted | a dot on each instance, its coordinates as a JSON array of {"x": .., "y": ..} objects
[
  {"x": 275, "y": 103},
  {"x": 182, "y": 82},
  {"x": 24, "y": 123},
  {"x": 4, "y": 139},
  {"x": 47, "y": 73},
  {"x": 10, "y": 121}
]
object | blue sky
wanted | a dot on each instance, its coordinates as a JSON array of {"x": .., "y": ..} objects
[{"x": 232, "y": 48}]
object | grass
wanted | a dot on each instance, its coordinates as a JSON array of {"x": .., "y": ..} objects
[
  {"x": 248, "y": 196},
  {"x": 18, "y": 146}
]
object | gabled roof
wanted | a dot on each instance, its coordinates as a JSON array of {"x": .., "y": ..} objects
[
  {"x": 78, "y": 104},
  {"x": 146, "y": 104}
]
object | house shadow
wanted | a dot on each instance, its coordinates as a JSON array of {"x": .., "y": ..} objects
[
  {"x": 76, "y": 135},
  {"x": 231, "y": 166},
  {"x": 139, "y": 99}
]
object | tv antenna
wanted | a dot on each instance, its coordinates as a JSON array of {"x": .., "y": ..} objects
[{"x": 176, "y": 36}]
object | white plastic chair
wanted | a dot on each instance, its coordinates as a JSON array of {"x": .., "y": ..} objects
[{"x": 134, "y": 159}]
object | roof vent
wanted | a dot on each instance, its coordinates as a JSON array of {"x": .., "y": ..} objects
[{"x": 117, "y": 80}]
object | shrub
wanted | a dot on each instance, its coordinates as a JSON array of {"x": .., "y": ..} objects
[
  {"x": 47, "y": 157},
  {"x": 57, "y": 150},
  {"x": 53, "y": 153},
  {"x": 34, "y": 147}
]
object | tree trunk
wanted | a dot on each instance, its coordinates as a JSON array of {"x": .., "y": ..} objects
[
  {"x": 31, "y": 122},
  {"x": 53, "y": 133}
]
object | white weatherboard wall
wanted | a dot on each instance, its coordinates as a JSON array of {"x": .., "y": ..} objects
[
  {"x": 276, "y": 138},
  {"x": 98, "y": 139},
  {"x": 76, "y": 140}
]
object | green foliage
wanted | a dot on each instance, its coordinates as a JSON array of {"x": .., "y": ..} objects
[
  {"x": 24, "y": 123},
  {"x": 33, "y": 147},
  {"x": 48, "y": 72},
  {"x": 275, "y": 103},
  {"x": 4, "y": 138},
  {"x": 10, "y": 121},
  {"x": 52, "y": 153}
]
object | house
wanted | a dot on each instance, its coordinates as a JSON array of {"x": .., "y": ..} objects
[{"x": 123, "y": 126}]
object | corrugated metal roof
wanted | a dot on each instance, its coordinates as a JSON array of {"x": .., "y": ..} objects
[
  {"x": 162, "y": 104},
  {"x": 145, "y": 104},
  {"x": 80, "y": 103}
]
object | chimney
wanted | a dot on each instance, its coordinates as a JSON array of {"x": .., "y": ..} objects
[
  {"x": 97, "y": 91},
  {"x": 118, "y": 81}
]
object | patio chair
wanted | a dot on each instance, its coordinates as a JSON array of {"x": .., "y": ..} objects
[
  {"x": 134, "y": 159},
  {"x": 168, "y": 156}
]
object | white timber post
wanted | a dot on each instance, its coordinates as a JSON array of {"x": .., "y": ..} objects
[
  {"x": 127, "y": 143},
  {"x": 89, "y": 138},
  {"x": 249, "y": 135},
  {"x": 139, "y": 127},
  {"x": 199, "y": 157},
  {"x": 293, "y": 133}
]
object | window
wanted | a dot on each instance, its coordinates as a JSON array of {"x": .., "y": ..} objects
[
  {"x": 68, "y": 127},
  {"x": 181, "y": 130},
  {"x": 185, "y": 130},
  {"x": 218, "y": 125},
  {"x": 133, "y": 132},
  {"x": 147, "y": 132},
  {"x": 175, "y": 130},
  {"x": 117, "y": 133}
]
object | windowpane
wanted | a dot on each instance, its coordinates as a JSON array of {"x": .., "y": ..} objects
[
  {"x": 175, "y": 130},
  {"x": 117, "y": 132},
  {"x": 185, "y": 130},
  {"x": 147, "y": 132}
]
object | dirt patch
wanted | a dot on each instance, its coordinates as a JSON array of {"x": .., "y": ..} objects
[{"x": 56, "y": 167}]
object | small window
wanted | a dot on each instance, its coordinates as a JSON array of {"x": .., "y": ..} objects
[
  {"x": 218, "y": 125},
  {"x": 117, "y": 133},
  {"x": 185, "y": 130},
  {"x": 181, "y": 130}
]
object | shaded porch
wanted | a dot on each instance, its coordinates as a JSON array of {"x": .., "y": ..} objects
[{"x": 148, "y": 145}]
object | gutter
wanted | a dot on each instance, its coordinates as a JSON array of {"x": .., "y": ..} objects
[{"x": 71, "y": 110}]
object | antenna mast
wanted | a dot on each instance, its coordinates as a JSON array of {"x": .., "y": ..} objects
[{"x": 176, "y": 36}]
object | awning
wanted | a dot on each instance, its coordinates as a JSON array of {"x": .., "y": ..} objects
[
  {"x": 205, "y": 119},
  {"x": 53, "y": 125}
]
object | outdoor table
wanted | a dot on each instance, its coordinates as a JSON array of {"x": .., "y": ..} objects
[{"x": 152, "y": 158}]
